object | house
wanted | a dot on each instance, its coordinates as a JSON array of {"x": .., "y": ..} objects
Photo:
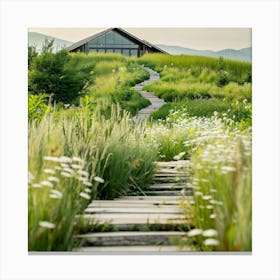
[{"x": 115, "y": 40}]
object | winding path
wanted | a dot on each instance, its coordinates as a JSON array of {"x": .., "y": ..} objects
[
  {"x": 156, "y": 102},
  {"x": 149, "y": 221}
]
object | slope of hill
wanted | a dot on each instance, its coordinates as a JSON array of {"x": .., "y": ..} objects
[
  {"x": 244, "y": 54},
  {"x": 37, "y": 40}
]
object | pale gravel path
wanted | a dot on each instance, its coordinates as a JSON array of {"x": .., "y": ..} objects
[{"x": 156, "y": 102}]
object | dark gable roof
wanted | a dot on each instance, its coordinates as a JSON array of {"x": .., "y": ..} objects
[{"x": 119, "y": 30}]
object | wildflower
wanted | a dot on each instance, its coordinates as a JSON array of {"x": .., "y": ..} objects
[
  {"x": 57, "y": 168},
  {"x": 56, "y": 194},
  {"x": 36, "y": 185},
  {"x": 46, "y": 224},
  {"x": 56, "y": 159},
  {"x": 87, "y": 190},
  {"x": 47, "y": 184},
  {"x": 207, "y": 197},
  {"x": 215, "y": 113},
  {"x": 66, "y": 174},
  {"x": 228, "y": 169},
  {"x": 213, "y": 216},
  {"x": 98, "y": 179},
  {"x": 76, "y": 166},
  {"x": 198, "y": 194},
  {"x": 38, "y": 111},
  {"x": 85, "y": 195},
  {"x": 78, "y": 159},
  {"x": 213, "y": 191},
  {"x": 64, "y": 159},
  {"x": 30, "y": 177},
  {"x": 209, "y": 206},
  {"x": 87, "y": 183},
  {"x": 194, "y": 232},
  {"x": 49, "y": 171},
  {"x": 210, "y": 233},
  {"x": 211, "y": 242},
  {"x": 53, "y": 179},
  {"x": 83, "y": 173}
]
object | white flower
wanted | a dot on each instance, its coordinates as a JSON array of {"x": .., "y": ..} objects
[
  {"x": 36, "y": 186},
  {"x": 87, "y": 190},
  {"x": 86, "y": 183},
  {"x": 194, "y": 232},
  {"x": 30, "y": 177},
  {"x": 66, "y": 174},
  {"x": 198, "y": 194},
  {"x": 211, "y": 242},
  {"x": 85, "y": 195},
  {"x": 76, "y": 166},
  {"x": 207, "y": 197},
  {"x": 55, "y": 159},
  {"x": 78, "y": 159},
  {"x": 64, "y": 165},
  {"x": 46, "y": 224},
  {"x": 213, "y": 216},
  {"x": 57, "y": 168},
  {"x": 49, "y": 171},
  {"x": 47, "y": 184},
  {"x": 210, "y": 233},
  {"x": 83, "y": 173},
  {"x": 98, "y": 179},
  {"x": 228, "y": 169},
  {"x": 57, "y": 193},
  {"x": 53, "y": 179},
  {"x": 209, "y": 207},
  {"x": 64, "y": 159}
]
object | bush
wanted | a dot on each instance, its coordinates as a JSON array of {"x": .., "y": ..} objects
[{"x": 49, "y": 74}]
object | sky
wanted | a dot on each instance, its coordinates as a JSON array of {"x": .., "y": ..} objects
[{"x": 195, "y": 38}]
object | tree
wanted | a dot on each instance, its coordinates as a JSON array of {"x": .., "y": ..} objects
[
  {"x": 49, "y": 74},
  {"x": 32, "y": 53}
]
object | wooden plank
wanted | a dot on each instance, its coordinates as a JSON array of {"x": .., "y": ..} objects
[
  {"x": 130, "y": 238},
  {"x": 175, "y": 174},
  {"x": 146, "y": 210},
  {"x": 129, "y": 203},
  {"x": 150, "y": 198},
  {"x": 134, "y": 249},
  {"x": 173, "y": 163},
  {"x": 164, "y": 193}
]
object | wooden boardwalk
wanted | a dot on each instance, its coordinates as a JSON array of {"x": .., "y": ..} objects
[
  {"x": 156, "y": 102},
  {"x": 145, "y": 222}
]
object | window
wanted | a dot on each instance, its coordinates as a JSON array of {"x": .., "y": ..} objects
[
  {"x": 134, "y": 52},
  {"x": 126, "y": 52},
  {"x": 109, "y": 51},
  {"x": 101, "y": 50},
  {"x": 92, "y": 50},
  {"x": 113, "y": 40}
]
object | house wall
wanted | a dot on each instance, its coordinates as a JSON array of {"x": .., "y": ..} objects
[{"x": 114, "y": 42}]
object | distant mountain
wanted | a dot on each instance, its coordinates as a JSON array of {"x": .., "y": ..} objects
[
  {"x": 244, "y": 54},
  {"x": 37, "y": 40}
]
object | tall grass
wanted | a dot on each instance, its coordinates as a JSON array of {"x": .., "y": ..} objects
[
  {"x": 221, "y": 207},
  {"x": 114, "y": 162}
]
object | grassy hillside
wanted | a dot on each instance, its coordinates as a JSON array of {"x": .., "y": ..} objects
[{"x": 84, "y": 144}]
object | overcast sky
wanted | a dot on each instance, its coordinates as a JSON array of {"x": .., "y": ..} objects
[{"x": 196, "y": 38}]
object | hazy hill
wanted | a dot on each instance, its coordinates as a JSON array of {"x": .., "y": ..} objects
[
  {"x": 37, "y": 39},
  {"x": 244, "y": 54}
]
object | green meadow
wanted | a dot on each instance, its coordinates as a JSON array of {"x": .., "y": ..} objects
[{"x": 84, "y": 144}]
